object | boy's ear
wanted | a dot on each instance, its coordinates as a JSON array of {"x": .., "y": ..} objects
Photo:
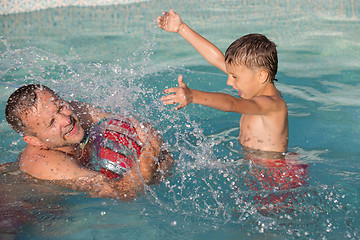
[
  {"x": 32, "y": 140},
  {"x": 263, "y": 76}
]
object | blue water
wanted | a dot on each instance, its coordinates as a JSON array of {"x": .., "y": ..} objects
[{"x": 116, "y": 58}]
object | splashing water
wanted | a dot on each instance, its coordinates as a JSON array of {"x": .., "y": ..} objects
[{"x": 203, "y": 188}]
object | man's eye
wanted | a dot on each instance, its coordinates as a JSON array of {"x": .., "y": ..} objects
[{"x": 63, "y": 106}]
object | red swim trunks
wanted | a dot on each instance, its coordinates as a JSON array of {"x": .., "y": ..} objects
[{"x": 274, "y": 182}]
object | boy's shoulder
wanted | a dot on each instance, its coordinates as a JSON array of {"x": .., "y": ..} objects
[
  {"x": 272, "y": 100},
  {"x": 275, "y": 96}
]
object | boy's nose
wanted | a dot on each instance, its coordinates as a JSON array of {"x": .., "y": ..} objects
[{"x": 230, "y": 81}]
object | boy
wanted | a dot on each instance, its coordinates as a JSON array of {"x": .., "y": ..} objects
[{"x": 251, "y": 65}]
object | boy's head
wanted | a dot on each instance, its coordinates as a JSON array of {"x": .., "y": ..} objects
[{"x": 255, "y": 51}]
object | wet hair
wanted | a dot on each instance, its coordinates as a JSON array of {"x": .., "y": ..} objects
[
  {"x": 254, "y": 51},
  {"x": 20, "y": 103}
]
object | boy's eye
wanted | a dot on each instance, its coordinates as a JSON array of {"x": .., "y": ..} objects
[
  {"x": 234, "y": 76},
  {"x": 51, "y": 123}
]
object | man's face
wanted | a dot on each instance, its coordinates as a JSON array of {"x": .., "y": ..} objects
[{"x": 53, "y": 121}]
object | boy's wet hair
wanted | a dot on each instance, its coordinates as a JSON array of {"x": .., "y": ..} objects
[
  {"x": 20, "y": 103},
  {"x": 254, "y": 51}
]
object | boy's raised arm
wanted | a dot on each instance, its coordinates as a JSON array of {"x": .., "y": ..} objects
[{"x": 171, "y": 22}]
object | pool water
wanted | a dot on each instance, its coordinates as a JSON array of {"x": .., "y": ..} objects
[{"x": 117, "y": 58}]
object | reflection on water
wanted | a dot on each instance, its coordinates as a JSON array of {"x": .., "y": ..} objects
[{"x": 25, "y": 201}]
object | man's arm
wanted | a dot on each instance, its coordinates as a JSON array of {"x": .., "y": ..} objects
[
  {"x": 61, "y": 167},
  {"x": 148, "y": 135},
  {"x": 171, "y": 22},
  {"x": 126, "y": 188},
  {"x": 87, "y": 113}
]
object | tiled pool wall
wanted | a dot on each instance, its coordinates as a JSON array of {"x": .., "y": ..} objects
[
  {"x": 342, "y": 7},
  {"x": 19, "y": 6}
]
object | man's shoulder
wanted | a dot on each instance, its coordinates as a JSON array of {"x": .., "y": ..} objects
[
  {"x": 39, "y": 163},
  {"x": 35, "y": 152}
]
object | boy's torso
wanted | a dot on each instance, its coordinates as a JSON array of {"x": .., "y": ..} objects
[{"x": 264, "y": 132}]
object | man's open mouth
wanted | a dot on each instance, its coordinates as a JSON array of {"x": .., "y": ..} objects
[{"x": 73, "y": 128}]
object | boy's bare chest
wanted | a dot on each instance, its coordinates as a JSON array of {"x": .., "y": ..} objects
[
  {"x": 263, "y": 133},
  {"x": 253, "y": 131},
  {"x": 251, "y": 123}
]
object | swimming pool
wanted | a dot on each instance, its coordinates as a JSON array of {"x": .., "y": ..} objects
[{"x": 115, "y": 56}]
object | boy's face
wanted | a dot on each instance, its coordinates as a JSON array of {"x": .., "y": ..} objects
[
  {"x": 53, "y": 121},
  {"x": 245, "y": 80}
]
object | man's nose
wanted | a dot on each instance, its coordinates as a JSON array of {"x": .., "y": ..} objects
[{"x": 64, "y": 119}]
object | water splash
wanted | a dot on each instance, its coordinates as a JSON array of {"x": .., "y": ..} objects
[{"x": 204, "y": 186}]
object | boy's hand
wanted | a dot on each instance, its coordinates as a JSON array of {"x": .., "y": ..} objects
[
  {"x": 182, "y": 95},
  {"x": 169, "y": 21}
]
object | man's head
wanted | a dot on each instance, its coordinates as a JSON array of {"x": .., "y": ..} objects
[
  {"x": 256, "y": 52},
  {"x": 44, "y": 119}
]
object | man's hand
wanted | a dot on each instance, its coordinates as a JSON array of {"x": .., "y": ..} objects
[
  {"x": 182, "y": 95},
  {"x": 147, "y": 134}
]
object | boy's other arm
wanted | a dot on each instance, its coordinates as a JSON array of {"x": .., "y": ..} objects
[
  {"x": 171, "y": 22},
  {"x": 224, "y": 102},
  {"x": 184, "y": 95}
]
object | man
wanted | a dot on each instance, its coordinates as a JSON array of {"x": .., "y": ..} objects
[{"x": 58, "y": 150}]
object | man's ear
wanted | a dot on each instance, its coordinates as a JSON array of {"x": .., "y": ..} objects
[
  {"x": 32, "y": 140},
  {"x": 263, "y": 76}
]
